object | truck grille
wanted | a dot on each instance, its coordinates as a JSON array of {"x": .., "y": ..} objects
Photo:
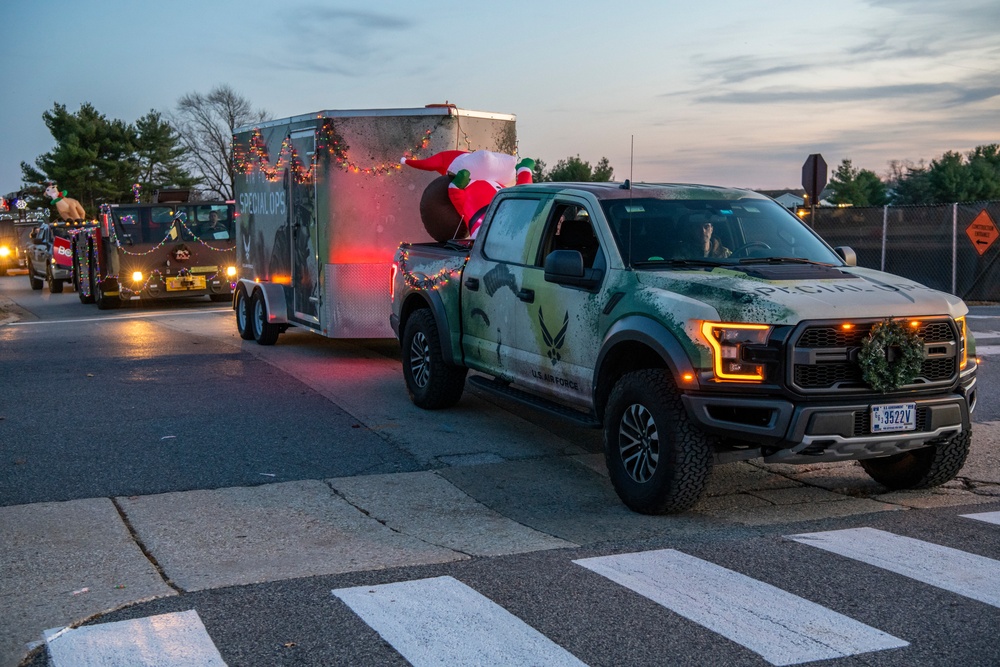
[{"x": 825, "y": 356}]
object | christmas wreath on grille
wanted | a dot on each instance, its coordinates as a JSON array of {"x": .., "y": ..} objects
[{"x": 881, "y": 374}]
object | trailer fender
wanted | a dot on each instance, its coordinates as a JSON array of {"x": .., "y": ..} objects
[{"x": 274, "y": 299}]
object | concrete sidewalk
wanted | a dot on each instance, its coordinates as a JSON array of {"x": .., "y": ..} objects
[{"x": 65, "y": 562}]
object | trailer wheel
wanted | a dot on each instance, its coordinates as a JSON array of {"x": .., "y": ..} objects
[
  {"x": 264, "y": 332},
  {"x": 431, "y": 382},
  {"x": 243, "y": 315},
  {"x": 658, "y": 460},
  {"x": 921, "y": 468}
]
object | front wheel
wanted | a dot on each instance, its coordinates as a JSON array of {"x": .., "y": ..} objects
[
  {"x": 35, "y": 282},
  {"x": 431, "y": 382},
  {"x": 264, "y": 332},
  {"x": 658, "y": 460},
  {"x": 921, "y": 468},
  {"x": 243, "y": 315}
]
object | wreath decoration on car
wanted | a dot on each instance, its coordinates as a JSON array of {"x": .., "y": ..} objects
[{"x": 877, "y": 371}]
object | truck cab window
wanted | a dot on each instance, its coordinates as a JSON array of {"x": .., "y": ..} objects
[
  {"x": 507, "y": 237},
  {"x": 570, "y": 228}
]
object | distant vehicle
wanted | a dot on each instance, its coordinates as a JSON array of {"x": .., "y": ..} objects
[
  {"x": 140, "y": 252},
  {"x": 10, "y": 251},
  {"x": 48, "y": 256}
]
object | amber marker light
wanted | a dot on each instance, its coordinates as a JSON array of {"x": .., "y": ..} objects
[
  {"x": 964, "y": 342},
  {"x": 688, "y": 377},
  {"x": 846, "y": 326},
  {"x": 727, "y": 341},
  {"x": 914, "y": 324}
]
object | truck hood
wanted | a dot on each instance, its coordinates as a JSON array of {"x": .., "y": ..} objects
[{"x": 789, "y": 293}]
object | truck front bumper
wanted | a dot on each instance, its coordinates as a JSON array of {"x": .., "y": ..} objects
[{"x": 780, "y": 431}]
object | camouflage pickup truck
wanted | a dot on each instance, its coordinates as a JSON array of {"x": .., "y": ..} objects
[{"x": 697, "y": 325}]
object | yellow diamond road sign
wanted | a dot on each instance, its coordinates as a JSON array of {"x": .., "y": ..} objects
[{"x": 982, "y": 232}]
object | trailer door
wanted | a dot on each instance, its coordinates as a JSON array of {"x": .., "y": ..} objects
[{"x": 305, "y": 261}]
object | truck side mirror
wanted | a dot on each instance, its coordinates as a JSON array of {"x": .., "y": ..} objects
[
  {"x": 565, "y": 267},
  {"x": 847, "y": 254},
  {"x": 563, "y": 264}
]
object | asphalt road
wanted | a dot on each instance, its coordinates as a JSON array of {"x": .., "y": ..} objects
[{"x": 158, "y": 474}]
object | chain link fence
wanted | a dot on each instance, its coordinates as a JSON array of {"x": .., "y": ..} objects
[{"x": 951, "y": 247}]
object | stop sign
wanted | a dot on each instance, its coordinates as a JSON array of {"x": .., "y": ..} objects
[{"x": 814, "y": 177}]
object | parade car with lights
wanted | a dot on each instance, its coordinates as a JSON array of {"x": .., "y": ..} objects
[
  {"x": 696, "y": 325},
  {"x": 164, "y": 250},
  {"x": 10, "y": 250}
]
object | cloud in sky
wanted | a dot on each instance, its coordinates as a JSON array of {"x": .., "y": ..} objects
[{"x": 733, "y": 93}]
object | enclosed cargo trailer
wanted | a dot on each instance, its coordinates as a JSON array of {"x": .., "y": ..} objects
[{"x": 322, "y": 203}]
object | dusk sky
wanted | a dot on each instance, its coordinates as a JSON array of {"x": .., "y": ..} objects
[{"x": 722, "y": 92}]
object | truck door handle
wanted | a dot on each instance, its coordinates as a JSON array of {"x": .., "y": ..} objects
[
  {"x": 526, "y": 295},
  {"x": 472, "y": 284}
]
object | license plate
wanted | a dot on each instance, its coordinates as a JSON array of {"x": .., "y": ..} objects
[
  {"x": 181, "y": 283},
  {"x": 894, "y": 417}
]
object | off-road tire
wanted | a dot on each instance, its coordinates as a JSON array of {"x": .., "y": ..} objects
[
  {"x": 432, "y": 383},
  {"x": 658, "y": 460},
  {"x": 103, "y": 302},
  {"x": 921, "y": 468},
  {"x": 244, "y": 313},
  {"x": 264, "y": 332},
  {"x": 35, "y": 282}
]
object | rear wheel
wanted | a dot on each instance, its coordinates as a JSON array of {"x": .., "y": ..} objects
[
  {"x": 55, "y": 284},
  {"x": 431, "y": 382},
  {"x": 264, "y": 332},
  {"x": 243, "y": 315},
  {"x": 658, "y": 460},
  {"x": 921, "y": 468}
]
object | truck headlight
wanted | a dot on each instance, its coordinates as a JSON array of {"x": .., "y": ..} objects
[
  {"x": 727, "y": 342},
  {"x": 231, "y": 271},
  {"x": 4, "y": 251},
  {"x": 137, "y": 276},
  {"x": 963, "y": 342}
]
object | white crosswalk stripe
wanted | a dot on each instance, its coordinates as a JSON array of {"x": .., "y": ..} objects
[
  {"x": 166, "y": 640},
  {"x": 985, "y": 343},
  {"x": 441, "y": 621},
  {"x": 782, "y": 628},
  {"x": 988, "y": 517},
  {"x": 970, "y": 575}
]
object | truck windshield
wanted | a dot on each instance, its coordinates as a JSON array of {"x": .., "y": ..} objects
[
  {"x": 685, "y": 233},
  {"x": 164, "y": 223}
]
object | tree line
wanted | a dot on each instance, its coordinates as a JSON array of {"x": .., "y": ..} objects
[
  {"x": 954, "y": 177},
  {"x": 97, "y": 159}
]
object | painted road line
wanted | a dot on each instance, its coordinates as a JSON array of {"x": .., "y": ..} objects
[
  {"x": 168, "y": 640},
  {"x": 960, "y": 572},
  {"x": 118, "y": 318},
  {"x": 441, "y": 621},
  {"x": 988, "y": 517},
  {"x": 782, "y": 628}
]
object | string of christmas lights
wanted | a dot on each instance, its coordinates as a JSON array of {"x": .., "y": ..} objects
[
  {"x": 435, "y": 281},
  {"x": 328, "y": 142}
]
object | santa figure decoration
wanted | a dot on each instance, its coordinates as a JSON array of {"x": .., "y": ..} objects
[{"x": 472, "y": 177}]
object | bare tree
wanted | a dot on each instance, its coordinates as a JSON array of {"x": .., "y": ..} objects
[{"x": 205, "y": 124}]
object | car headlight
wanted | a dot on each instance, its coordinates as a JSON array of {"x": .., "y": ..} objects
[{"x": 727, "y": 342}]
